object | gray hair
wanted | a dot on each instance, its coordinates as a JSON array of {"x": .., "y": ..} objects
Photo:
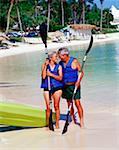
[
  {"x": 63, "y": 51},
  {"x": 50, "y": 54}
]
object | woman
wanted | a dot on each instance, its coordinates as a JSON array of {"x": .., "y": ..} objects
[{"x": 53, "y": 71}]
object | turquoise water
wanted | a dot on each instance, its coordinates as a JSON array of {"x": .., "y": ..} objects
[
  {"x": 20, "y": 76},
  {"x": 101, "y": 80}
]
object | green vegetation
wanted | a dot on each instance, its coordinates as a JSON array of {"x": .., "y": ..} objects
[{"x": 61, "y": 13}]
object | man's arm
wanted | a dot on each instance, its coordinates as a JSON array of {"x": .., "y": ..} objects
[{"x": 76, "y": 65}]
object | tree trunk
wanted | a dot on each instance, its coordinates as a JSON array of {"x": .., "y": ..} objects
[
  {"x": 62, "y": 8},
  {"x": 82, "y": 17},
  {"x": 19, "y": 18},
  {"x": 101, "y": 18},
  {"x": 83, "y": 12},
  {"x": 48, "y": 19},
  {"x": 74, "y": 20},
  {"x": 8, "y": 17},
  {"x": 36, "y": 11}
]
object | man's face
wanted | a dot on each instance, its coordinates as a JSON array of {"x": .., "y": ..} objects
[{"x": 63, "y": 57}]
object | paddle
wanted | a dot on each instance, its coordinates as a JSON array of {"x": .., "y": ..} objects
[
  {"x": 43, "y": 33},
  {"x": 51, "y": 127},
  {"x": 84, "y": 59}
]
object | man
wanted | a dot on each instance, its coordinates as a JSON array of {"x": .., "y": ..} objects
[{"x": 71, "y": 79}]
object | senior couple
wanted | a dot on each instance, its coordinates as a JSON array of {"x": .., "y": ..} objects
[{"x": 64, "y": 77}]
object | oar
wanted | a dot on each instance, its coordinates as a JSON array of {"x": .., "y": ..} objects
[
  {"x": 84, "y": 59},
  {"x": 43, "y": 33},
  {"x": 51, "y": 127}
]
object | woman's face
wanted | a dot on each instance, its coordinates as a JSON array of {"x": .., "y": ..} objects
[{"x": 54, "y": 58}]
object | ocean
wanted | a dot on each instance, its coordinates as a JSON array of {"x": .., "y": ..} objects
[{"x": 20, "y": 77}]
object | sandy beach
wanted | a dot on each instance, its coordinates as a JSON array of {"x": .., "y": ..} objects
[
  {"x": 20, "y": 48},
  {"x": 100, "y": 133},
  {"x": 101, "y": 130}
]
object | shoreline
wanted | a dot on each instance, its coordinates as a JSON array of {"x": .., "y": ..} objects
[
  {"x": 101, "y": 130},
  {"x": 21, "y": 48}
]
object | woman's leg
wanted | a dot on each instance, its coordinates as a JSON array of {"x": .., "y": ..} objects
[
  {"x": 47, "y": 101},
  {"x": 56, "y": 97}
]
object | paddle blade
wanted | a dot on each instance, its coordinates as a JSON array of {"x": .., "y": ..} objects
[
  {"x": 43, "y": 33},
  {"x": 51, "y": 127},
  {"x": 66, "y": 125},
  {"x": 90, "y": 45}
]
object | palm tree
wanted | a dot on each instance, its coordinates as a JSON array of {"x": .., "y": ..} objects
[
  {"x": 36, "y": 10},
  {"x": 83, "y": 11},
  {"x": 101, "y": 2},
  {"x": 48, "y": 19},
  {"x": 83, "y": 3},
  {"x": 74, "y": 6},
  {"x": 62, "y": 8},
  {"x": 12, "y": 2},
  {"x": 8, "y": 15},
  {"x": 18, "y": 14}
]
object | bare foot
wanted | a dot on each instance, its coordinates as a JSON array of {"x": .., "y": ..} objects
[
  {"x": 57, "y": 126},
  {"x": 82, "y": 125}
]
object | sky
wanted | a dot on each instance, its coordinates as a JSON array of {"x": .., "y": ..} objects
[{"x": 108, "y": 3}]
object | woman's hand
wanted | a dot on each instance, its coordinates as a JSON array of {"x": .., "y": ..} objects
[
  {"x": 49, "y": 73},
  {"x": 46, "y": 62}
]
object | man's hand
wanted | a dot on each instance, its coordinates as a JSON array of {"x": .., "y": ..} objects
[{"x": 77, "y": 84}]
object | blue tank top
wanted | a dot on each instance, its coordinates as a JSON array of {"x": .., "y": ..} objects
[
  {"x": 69, "y": 74},
  {"x": 53, "y": 82}
]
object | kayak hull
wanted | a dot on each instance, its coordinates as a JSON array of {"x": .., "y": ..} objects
[{"x": 22, "y": 115}]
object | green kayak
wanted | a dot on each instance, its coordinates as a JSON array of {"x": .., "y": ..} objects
[{"x": 22, "y": 115}]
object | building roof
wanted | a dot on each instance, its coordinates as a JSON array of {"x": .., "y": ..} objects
[{"x": 83, "y": 27}]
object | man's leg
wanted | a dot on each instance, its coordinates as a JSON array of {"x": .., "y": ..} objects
[
  {"x": 72, "y": 110},
  {"x": 80, "y": 112}
]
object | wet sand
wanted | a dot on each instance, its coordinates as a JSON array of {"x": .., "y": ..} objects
[{"x": 101, "y": 132}]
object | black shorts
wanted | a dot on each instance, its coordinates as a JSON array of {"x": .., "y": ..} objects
[
  {"x": 46, "y": 89},
  {"x": 68, "y": 91},
  {"x": 53, "y": 90}
]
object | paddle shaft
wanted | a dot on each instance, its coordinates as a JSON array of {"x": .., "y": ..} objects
[{"x": 51, "y": 127}]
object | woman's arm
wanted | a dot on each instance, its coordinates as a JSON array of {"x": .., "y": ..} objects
[
  {"x": 57, "y": 77},
  {"x": 44, "y": 69}
]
